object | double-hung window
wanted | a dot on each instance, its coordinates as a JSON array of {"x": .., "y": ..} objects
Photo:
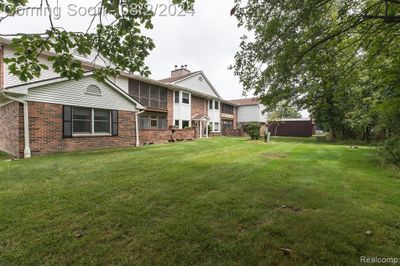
[
  {"x": 216, "y": 127},
  {"x": 185, "y": 124},
  {"x": 210, "y": 104},
  {"x": 90, "y": 121},
  {"x": 177, "y": 100},
  {"x": 216, "y": 105},
  {"x": 185, "y": 98}
]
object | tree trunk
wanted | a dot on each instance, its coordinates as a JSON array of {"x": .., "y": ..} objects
[{"x": 333, "y": 133}]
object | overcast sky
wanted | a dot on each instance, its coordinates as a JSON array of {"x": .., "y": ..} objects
[{"x": 206, "y": 40}]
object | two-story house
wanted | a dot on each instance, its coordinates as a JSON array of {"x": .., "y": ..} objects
[{"x": 50, "y": 113}]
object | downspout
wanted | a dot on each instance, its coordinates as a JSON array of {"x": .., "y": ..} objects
[
  {"x": 27, "y": 149},
  {"x": 137, "y": 127}
]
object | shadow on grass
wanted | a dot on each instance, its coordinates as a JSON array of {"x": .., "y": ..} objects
[
  {"x": 311, "y": 140},
  {"x": 4, "y": 156}
]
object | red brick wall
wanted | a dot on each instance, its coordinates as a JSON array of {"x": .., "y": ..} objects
[
  {"x": 185, "y": 134},
  {"x": 150, "y": 136},
  {"x": 214, "y": 134},
  {"x": 46, "y": 131},
  {"x": 198, "y": 106},
  {"x": 9, "y": 128},
  {"x": 153, "y": 136}
]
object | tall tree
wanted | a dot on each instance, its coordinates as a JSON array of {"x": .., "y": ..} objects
[{"x": 310, "y": 53}]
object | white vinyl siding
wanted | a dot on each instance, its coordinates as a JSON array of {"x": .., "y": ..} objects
[
  {"x": 195, "y": 84},
  {"x": 11, "y": 80},
  {"x": 214, "y": 114},
  {"x": 72, "y": 93},
  {"x": 251, "y": 113},
  {"x": 182, "y": 111},
  {"x": 122, "y": 82}
]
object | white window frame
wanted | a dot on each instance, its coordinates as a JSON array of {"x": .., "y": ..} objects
[
  {"x": 217, "y": 103},
  {"x": 212, "y": 126},
  {"x": 189, "y": 125},
  {"x": 179, "y": 97},
  {"x": 188, "y": 94},
  {"x": 215, "y": 126},
  {"x": 179, "y": 122},
  {"x": 92, "y": 124}
]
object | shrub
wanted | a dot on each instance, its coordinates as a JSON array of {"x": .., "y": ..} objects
[
  {"x": 392, "y": 150},
  {"x": 253, "y": 130}
]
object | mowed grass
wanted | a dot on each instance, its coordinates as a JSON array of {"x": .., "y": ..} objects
[{"x": 220, "y": 201}]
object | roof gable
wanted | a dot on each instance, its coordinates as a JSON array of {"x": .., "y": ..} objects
[
  {"x": 73, "y": 92},
  {"x": 199, "y": 82},
  {"x": 246, "y": 101}
]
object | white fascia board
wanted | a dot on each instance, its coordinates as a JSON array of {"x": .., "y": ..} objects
[{"x": 205, "y": 77}]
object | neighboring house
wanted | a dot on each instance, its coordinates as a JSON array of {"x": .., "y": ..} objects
[
  {"x": 250, "y": 110},
  {"x": 51, "y": 114}
]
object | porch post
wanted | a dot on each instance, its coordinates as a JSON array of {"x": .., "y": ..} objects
[
  {"x": 27, "y": 149},
  {"x": 201, "y": 129}
]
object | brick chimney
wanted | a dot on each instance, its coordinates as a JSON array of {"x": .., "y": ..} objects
[{"x": 179, "y": 71}]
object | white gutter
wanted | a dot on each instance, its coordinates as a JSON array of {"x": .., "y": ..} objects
[
  {"x": 137, "y": 127},
  {"x": 27, "y": 149}
]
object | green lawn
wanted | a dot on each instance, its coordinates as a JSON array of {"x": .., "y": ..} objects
[{"x": 215, "y": 201}]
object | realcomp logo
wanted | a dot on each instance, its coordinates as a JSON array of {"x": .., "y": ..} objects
[{"x": 379, "y": 260}]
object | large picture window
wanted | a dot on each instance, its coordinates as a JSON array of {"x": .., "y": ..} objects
[
  {"x": 153, "y": 121},
  {"x": 88, "y": 121},
  {"x": 149, "y": 95}
]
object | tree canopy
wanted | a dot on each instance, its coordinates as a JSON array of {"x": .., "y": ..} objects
[
  {"x": 121, "y": 41},
  {"x": 336, "y": 58}
]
